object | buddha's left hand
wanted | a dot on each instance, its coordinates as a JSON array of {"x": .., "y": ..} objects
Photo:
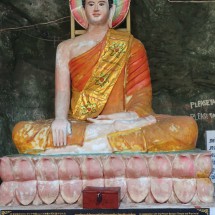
[
  {"x": 126, "y": 124},
  {"x": 110, "y": 118},
  {"x": 121, "y": 125}
]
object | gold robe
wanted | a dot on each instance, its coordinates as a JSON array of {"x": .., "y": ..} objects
[{"x": 112, "y": 77}]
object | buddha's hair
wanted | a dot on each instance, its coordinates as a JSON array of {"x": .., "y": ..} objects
[{"x": 109, "y": 1}]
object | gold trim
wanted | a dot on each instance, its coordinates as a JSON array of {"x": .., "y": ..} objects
[
  {"x": 5, "y": 212},
  {"x": 91, "y": 100},
  {"x": 204, "y": 210}
]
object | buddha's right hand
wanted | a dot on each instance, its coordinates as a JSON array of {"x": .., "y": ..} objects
[{"x": 60, "y": 129}]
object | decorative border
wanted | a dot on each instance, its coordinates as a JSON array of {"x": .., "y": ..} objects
[{"x": 156, "y": 211}]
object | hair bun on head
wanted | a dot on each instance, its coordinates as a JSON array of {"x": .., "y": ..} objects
[{"x": 122, "y": 7}]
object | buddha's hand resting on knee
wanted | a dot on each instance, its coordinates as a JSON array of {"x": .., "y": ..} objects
[{"x": 60, "y": 129}]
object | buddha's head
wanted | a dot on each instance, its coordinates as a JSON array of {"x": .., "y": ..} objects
[{"x": 99, "y": 12}]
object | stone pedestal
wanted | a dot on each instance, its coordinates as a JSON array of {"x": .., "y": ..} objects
[{"x": 143, "y": 178}]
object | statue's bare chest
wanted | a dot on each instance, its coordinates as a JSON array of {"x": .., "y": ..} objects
[{"x": 82, "y": 47}]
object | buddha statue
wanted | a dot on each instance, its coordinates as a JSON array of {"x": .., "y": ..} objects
[{"x": 103, "y": 100}]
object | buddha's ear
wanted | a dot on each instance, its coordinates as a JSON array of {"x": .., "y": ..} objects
[
  {"x": 112, "y": 12},
  {"x": 83, "y": 13}
]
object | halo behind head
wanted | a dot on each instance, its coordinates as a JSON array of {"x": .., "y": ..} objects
[{"x": 122, "y": 7}]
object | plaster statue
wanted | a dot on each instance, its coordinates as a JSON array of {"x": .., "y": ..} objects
[{"x": 103, "y": 75}]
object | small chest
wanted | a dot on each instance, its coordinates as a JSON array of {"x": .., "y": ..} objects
[{"x": 101, "y": 197}]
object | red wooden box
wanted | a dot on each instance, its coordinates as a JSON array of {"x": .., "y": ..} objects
[{"x": 101, "y": 197}]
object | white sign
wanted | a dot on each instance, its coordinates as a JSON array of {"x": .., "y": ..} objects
[{"x": 210, "y": 140}]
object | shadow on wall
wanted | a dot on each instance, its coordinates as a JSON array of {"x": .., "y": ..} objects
[{"x": 6, "y": 145}]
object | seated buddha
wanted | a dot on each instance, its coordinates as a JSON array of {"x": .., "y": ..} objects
[{"x": 103, "y": 100}]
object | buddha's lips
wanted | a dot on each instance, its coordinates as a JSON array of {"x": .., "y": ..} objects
[{"x": 96, "y": 14}]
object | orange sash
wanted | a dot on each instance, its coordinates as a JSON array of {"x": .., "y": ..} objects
[{"x": 91, "y": 100}]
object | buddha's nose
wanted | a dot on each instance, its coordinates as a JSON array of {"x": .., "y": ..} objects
[{"x": 96, "y": 7}]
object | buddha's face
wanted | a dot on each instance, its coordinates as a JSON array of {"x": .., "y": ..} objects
[{"x": 97, "y": 11}]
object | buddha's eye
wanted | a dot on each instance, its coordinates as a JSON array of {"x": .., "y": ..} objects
[
  {"x": 91, "y": 4},
  {"x": 102, "y": 3}
]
